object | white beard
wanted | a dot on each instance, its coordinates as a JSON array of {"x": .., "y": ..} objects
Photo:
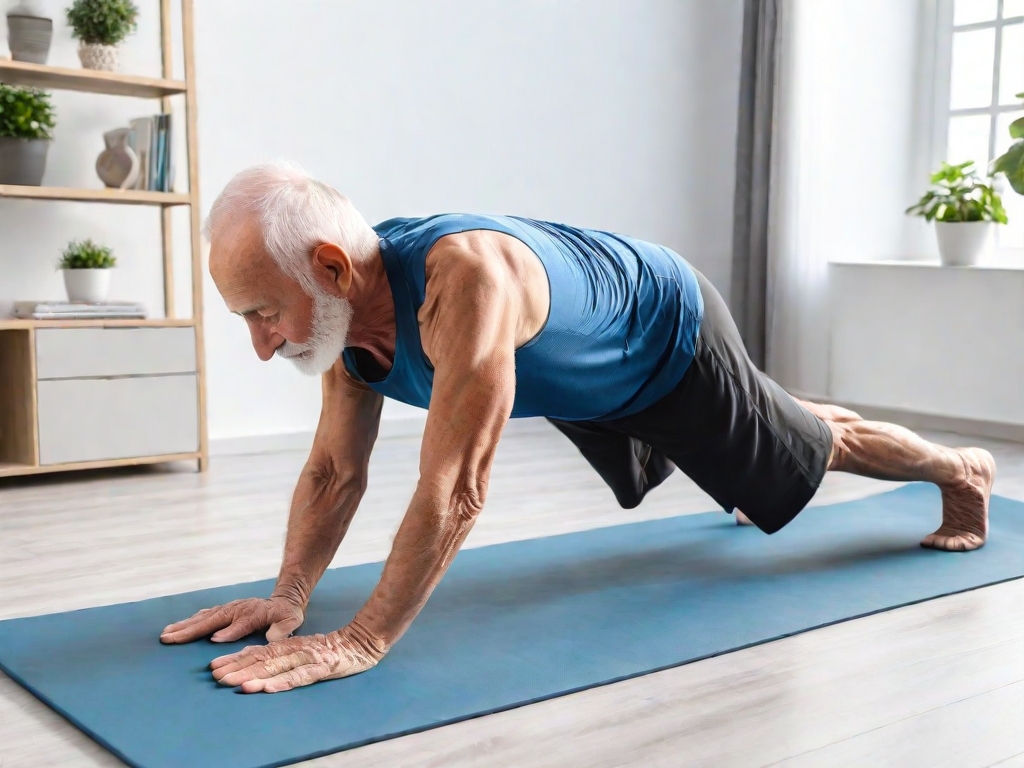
[{"x": 331, "y": 320}]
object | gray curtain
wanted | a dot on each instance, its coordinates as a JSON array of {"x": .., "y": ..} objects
[{"x": 753, "y": 166}]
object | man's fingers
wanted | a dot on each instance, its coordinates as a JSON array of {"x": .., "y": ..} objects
[
  {"x": 239, "y": 628},
  {"x": 295, "y": 678},
  {"x": 186, "y": 622},
  {"x": 236, "y": 674},
  {"x": 199, "y": 627},
  {"x": 250, "y": 652}
]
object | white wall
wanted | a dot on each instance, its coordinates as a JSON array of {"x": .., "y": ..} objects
[
  {"x": 929, "y": 339},
  {"x": 615, "y": 114},
  {"x": 868, "y": 138}
]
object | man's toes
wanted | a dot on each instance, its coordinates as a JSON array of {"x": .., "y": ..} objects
[
  {"x": 742, "y": 519},
  {"x": 961, "y": 542}
]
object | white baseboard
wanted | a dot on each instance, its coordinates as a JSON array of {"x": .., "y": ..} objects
[
  {"x": 249, "y": 444},
  {"x": 390, "y": 429},
  {"x": 919, "y": 420},
  {"x": 409, "y": 426}
]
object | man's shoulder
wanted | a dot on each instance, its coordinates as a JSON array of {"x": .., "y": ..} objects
[{"x": 406, "y": 226}]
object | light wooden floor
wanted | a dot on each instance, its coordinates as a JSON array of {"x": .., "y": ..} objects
[{"x": 937, "y": 684}]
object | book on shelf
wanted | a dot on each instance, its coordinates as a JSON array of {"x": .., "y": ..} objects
[
  {"x": 152, "y": 140},
  {"x": 74, "y": 310}
]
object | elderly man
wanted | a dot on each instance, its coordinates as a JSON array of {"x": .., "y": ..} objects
[{"x": 625, "y": 347}]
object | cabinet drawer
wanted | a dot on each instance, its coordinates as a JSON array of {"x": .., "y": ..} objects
[
  {"x": 95, "y": 419},
  {"x": 64, "y": 353}
]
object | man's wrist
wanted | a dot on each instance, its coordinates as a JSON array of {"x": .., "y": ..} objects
[
  {"x": 291, "y": 593},
  {"x": 370, "y": 644}
]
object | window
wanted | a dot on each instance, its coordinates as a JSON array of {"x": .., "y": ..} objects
[{"x": 984, "y": 47}]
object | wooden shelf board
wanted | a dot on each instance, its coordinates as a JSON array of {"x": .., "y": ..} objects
[
  {"x": 87, "y": 80},
  {"x": 126, "y": 196},
  {"x": 14, "y": 470},
  {"x": 13, "y": 324},
  {"x": 9, "y": 469}
]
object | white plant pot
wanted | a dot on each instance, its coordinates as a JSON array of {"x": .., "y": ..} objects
[
  {"x": 87, "y": 285},
  {"x": 963, "y": 243},
  {"x": 102, "y": 57}
]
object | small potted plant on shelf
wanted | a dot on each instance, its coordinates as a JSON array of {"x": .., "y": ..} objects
[
  {"x": 87, "y": 268},
  {"x": 1011, "y": 162},
  {"x": 100, "y": 26},
  {"x": 965, "y": 211},
  {"x": 26, "y": 130}
]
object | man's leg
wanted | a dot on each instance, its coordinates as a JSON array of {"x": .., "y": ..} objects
[{"x": 890, "y": 452}]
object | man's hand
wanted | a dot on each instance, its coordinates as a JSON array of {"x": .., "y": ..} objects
[
  {"x": 299, "y": 661},
  {"x": 236, "y": 619}
]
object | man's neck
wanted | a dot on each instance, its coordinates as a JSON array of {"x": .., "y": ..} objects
[{"x": 373, "y": 312}]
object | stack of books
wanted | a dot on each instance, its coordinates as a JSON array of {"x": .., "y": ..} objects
[
  {"x": 150, "y": 138},
  {"x": 71, "y": 310}
]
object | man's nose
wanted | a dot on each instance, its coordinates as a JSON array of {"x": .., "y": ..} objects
[{"x": 265, "y": 341}]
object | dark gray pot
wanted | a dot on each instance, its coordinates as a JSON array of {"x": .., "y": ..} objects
[
  {"x": 29, "y": 38},
  {"x": 22, "y": 161}
]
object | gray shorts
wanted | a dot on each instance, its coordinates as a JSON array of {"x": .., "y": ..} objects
[{"x": 733, "y": 431}]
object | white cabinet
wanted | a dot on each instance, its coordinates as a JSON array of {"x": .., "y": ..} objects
[{"x": 115, "y": 393}]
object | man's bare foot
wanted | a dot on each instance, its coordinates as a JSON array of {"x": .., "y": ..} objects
[
  {"x": 742, "y": 519},
  {"x": 965, "y": 505}
]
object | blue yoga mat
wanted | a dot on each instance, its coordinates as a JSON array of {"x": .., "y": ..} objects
[{"x": 509, "y": 625}]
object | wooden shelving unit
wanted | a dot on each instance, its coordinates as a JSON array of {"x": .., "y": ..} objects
[
  {"x": 91, "y": 361},
  {"x": 15, "y": 324},
  {"x": 70, "y": 194},
  {"x": 87, "y": 80}
]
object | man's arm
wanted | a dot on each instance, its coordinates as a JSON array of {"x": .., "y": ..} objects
[
  {"x": 470, "y": 338},
  {"x": 325, "y": 500}
]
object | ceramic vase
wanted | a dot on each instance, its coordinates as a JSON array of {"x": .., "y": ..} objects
[
  {"x": 101, "y": 57},
  {"x": 118, "y": 165},
  {"x": 29, "y": 37}
]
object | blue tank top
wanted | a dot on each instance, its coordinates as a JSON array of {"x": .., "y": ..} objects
[{"x": 620, "y": 332}]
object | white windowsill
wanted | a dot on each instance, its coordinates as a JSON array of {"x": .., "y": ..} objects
[{"x": 1015, "y": 266}]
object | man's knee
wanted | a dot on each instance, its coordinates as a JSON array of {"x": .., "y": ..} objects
[{"x": 833, "y": 413}]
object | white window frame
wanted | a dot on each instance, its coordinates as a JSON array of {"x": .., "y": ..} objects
[{"x": 942, "y": 66}]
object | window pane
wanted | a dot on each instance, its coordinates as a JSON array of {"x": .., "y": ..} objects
[
  {"x": 972, "y": 11},
  {"x": 1013, "y": 8},
  {"x": 968, "y": 140},
  {"x": 973, "y": 57},
  {"x": 1003, "y": 140},
  {"x": 1011, "y": 68}
]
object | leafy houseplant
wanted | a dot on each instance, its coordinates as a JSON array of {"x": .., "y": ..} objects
[
  {"x": 1011, "y": 162},
  {"x": 964, "y": 210},
  {"x": 86, "y": 267},
  {"x": 101, "y": 25},
  {"x": 26, "y": 129}
]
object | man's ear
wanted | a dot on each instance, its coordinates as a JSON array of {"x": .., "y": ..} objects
[{"x": 337, "y": 264}]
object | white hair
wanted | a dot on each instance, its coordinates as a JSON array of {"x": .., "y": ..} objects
[{"x": 296, "y": 213}]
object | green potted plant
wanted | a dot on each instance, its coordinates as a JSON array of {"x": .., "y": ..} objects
[
  {"x": 100, "y": 26},
  {"x": 87, "y": 268},
  {"x": 26, "y": 130},
  {"x": 965, "y": 211},
  {"x": 1011, "y": 162}
]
